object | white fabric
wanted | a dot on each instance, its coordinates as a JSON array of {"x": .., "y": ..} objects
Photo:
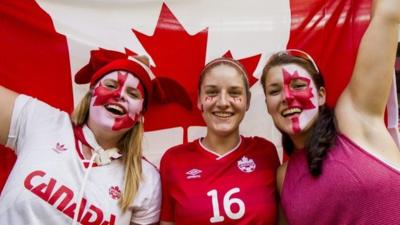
[
  {"x": 102, "y": 157},
  {"x": 44, "y": 183}
]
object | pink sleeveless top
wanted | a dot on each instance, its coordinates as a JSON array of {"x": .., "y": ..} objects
[{"x": 354, "y": 188}]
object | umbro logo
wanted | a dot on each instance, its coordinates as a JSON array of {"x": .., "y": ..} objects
[{"x": 193, "y": 173}]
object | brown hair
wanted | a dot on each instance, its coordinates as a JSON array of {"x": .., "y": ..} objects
[
  {"x": 228, "y": 62},
  {"x": 130, "y": 145},
  {"x": 323, "y": 132}
]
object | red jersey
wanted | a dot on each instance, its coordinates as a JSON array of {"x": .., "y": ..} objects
[{"x": 201, "y": 187}]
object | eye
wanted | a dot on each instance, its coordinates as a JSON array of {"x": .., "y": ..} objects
[
  {"x": 211, "y": 92},
  {"x": 111, "y": 84},
  {"x": 236, "y": 93},
  {"x": 273, "y": 92},
  {"x": 298, "y": 84},
  {"x": 134, "y": 93}
]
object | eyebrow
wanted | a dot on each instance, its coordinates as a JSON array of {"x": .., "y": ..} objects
[
  {"x": 274, "y": 85},
  {"x": 109, "y": 79}
]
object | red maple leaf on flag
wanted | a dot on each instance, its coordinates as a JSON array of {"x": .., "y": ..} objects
[{"x": 180, "y": 56}]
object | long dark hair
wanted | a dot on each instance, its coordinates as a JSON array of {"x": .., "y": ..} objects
[{"x": 323, "y": 133}]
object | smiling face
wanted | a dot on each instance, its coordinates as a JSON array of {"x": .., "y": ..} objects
[
  {"x": 292, "y": 98},
  {"x": 117, "y": 102},
  {"x": 223, "y": 99}
]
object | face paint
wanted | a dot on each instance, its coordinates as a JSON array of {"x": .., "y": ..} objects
[
  {"x": 299, "y": 95},
  {"x": 117, "y": 101},
  {"x": 222, "y": 100},
  {"x": 237, "y": 99},
  {"x": 209, "y": 99}
]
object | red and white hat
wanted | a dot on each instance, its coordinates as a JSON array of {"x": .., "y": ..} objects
[
  {"x": 104, "y": 61},
  {"x": 156, "y": 89}
]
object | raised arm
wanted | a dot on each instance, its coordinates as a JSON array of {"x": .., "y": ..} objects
[
  {"x": 364, "y": 99},
  {"x": 7, "y": 99}
]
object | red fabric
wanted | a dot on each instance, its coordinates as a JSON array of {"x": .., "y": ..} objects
[
  {"x": 184, "y": 62},
  {"x": 32, "y": 53},
  {"x": 354, "y": 188},
  {"x": 35, "y": 60},
  {"x": 194, "y": 180},
  {"x": 330, "y": 31}
]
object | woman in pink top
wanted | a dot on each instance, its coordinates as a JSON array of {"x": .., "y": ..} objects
[{"x": 344, "y": 166}]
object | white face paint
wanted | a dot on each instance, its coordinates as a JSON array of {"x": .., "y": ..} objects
[
  {"x": 300, "y": 93},
  {"x": 117, "y": 101},
  {"x": 292, "y": 98}
]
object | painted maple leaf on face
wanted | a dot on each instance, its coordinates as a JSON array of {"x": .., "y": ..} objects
[{"x": 180, "y": 56}]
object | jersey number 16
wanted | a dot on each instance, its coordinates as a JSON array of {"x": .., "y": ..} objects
[{"x": 228, "y": 202}]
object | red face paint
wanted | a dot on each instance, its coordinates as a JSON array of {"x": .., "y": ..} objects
[
  {"x": 104, "y": 94},
  {"x": 297, "y": 98},
  {"x": 124, "y": 122},
  {"x": 208, "y": 99},
  {"x": 237, "y": 99},
  {"x": 117, "y": 93}
]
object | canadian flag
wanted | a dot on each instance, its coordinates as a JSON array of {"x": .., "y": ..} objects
[{"x": 44, "y": 43}]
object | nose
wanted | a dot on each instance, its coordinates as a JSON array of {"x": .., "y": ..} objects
[
  {"x": 223, "y": 100},
  {"x": 119, "y": 94},
  {"x": 287, "y": 95}
]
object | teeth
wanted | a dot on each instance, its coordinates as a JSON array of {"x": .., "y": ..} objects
[
  {"x": 291, "y": 111},
  {"x": 115, "y": 109},
  {"x": 223, "y": 114}
]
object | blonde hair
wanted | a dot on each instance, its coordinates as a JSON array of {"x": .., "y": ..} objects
[{"x": 130, "y": 145}]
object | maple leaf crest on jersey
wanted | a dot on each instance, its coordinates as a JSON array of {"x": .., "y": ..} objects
[
  {"x": 114, "y": 192},
  {"x": 246, "y": 165}
]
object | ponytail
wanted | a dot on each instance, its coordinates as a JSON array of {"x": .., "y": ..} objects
[{"x": 322, "y": 137}]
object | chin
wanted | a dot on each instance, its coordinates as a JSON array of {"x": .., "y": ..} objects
[{"x": 225, "y": 132}]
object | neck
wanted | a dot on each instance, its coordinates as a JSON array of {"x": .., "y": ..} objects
[
  {"x": 105, "y": 138},
  {"x": 221, "y": 144},
  {"x": 299, "y": 140}
]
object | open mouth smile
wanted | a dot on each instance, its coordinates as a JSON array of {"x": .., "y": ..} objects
[
  {"x": 115, "y": 109},
  {"x": 291, "y": 111},
  {"x": 223, "y": 114}
]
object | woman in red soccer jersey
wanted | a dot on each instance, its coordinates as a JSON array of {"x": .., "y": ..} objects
[
  {"x": 223, "y": 178},
  {"x": 89, "y": 170},
  {"x": 344, "y": 166}
]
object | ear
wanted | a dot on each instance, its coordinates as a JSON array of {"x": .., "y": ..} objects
[
  {"x": 321, "y": 96},
  {"x": 248, "y": 100},
  {"x": 266, "y": 104},
  {"x": 142, "y": 118},
  {"x": 199, "y": 105}
]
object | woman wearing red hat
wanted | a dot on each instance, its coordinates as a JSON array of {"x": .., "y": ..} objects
[{"x": 87, "y": 168}]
